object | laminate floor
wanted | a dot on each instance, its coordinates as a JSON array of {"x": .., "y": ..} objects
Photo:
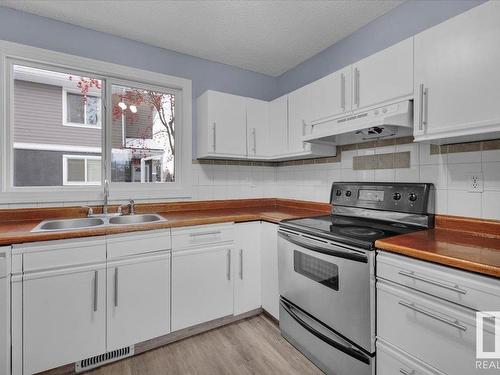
[{"x": 250, "y": 346}]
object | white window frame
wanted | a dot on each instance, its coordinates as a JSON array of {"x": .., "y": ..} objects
[
  {"x": 86, "y": 158},
  {"x": 65, "y": 121},
  {"x": 13, "y": 53}
]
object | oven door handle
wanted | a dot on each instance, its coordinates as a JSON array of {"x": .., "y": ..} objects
[
  {"x": 337, "y": 252},
  {"x": 347, "y": 349}
]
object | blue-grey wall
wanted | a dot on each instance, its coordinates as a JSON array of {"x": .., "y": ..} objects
[{"x": 409, "y": 18}]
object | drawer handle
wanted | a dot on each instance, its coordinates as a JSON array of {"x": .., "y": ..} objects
[
  {"x": 453, "y": 323},
  {"x": 413, "y": 275},
  {"x": 116, "y": 286},
  {"x": 204, "y": 234},
  {"x": 405, "y": 372},
  {"x": 96, "y": 289},
  {"x": 229, "y": 264}
]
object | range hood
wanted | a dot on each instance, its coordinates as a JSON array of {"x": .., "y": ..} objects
[{"x": 390, "y": 121}]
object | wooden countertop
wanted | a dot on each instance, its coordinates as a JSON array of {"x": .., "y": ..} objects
[
  {"x": 467, "y": 244},
  {"x": 18, "y": 228}
]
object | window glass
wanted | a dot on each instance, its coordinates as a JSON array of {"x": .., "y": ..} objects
[
  {"x": 143, "y": 131},
  {"x": 40, "y": 137}
]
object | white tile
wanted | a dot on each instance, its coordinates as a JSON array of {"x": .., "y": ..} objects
[
  {"x": 334, "y": 175},
  {"x": 491, "y": 205},
  {"x": 365, "y": 176},
  {"x": 463, "y": 203},
  {"x": 205, "y": 175},
  {"x": 347, "y": 156},
  {"x": 440, "y": 198},
  {"x": 385, "y": 150},
  {"x": 491, "y": 175},
  {"x": 464, "y": 157},
  {"x": 366, "y": 151},
  {"x": 407, "y": 174},
  {"x": 348, "y": 175},
  {"x": 490, "y": 155},
  {"x": 435, "y": 174},
  {"x": 458, "y": 175},
  {"x": 385, "y": 175},
  {"x": 427, "y": 158}
]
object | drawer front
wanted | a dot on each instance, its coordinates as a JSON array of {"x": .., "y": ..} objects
[
  {"x": 392, "y": 361},
  {"x": 61, "y": 253},
  {"x": 4, "y": 266},
  {"x": 437, "y": 332},
  {"x": 187, "y": 237},
  {"x": 127, "y": 244},
  {"x": 477, "y": 292}
]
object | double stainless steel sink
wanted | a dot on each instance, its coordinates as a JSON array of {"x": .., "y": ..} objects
[{"x": 97, "y": 221}]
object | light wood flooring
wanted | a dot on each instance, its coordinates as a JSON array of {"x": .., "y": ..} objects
[{"x": 250, "y": 346}]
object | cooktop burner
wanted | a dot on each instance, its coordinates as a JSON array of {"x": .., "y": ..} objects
[{"x": 355, "y": 231}]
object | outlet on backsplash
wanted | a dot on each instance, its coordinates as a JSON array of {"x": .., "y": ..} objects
[{"x": 476, "y": 182}]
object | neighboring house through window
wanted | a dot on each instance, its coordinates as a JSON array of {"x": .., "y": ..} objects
[
  {"x": 81, "y": 111},
  {"x": 81, "y": 170}
]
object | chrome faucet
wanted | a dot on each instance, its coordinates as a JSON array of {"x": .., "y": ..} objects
[
  {"x": 131, "y": 205},
  {"x": 106, "y": 196},
  {"x": 89, "y": 209}
]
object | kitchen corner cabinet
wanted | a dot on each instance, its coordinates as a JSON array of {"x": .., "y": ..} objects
[
  {"x": 5, "y": 310},
  {"x": 202, "y": 274},
  {"x": 257, "y": 120},
  {"x": 221, "y": 125},
  {"x": 247, "y": 267},
  {"x": 384, "y": 76},
  {"x": 457, "y": 77},
  {"x": 269, "y": 266}
]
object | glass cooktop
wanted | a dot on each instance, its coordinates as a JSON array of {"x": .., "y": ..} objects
[{"x": 350, "y": 230}]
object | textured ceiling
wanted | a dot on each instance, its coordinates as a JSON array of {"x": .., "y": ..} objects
[{"x": 269, "y": 37}]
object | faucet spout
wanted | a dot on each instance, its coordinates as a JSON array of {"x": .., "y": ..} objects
[{"x": 106, "y": 197}]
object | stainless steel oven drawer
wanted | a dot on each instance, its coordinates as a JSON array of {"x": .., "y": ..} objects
[
  {"x": 435, "y": 331},
  {"x": 327, "y": 350}
]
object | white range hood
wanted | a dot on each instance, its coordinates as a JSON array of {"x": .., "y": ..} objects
[{"x": 390, "y": 121}]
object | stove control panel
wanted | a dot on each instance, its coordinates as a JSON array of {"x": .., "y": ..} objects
[{"x": 401, "y": 197}]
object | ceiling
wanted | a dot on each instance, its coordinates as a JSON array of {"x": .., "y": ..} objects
[{"x": 268, "y": 37}]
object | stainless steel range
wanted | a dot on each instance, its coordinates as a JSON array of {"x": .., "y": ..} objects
[{"x": 327, "y": 271}]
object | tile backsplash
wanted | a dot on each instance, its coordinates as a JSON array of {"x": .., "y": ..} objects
[{"x": 448, "y": 167}]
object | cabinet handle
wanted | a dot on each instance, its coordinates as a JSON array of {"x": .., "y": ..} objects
[
  {"x": 342, "y": 91},
  {"x": 356, "y": 86},
  {"x": 404, "y": 372},
  {"x": 453, "y": 323},
  {"x": 241, "y": 264},
  {"x": 116, "y": 286},
  {"x": 214, "y": 140},
  {"x": 229, "y": 264},
  {"x": 421, "y": 107},
  {"x": 204, "y": 233},
  {"x": 425, "y": 97},
  {"x": 413, "y": 275},
  {"x": 96, "y": 289},
  {"x": 254, "y": 133}
]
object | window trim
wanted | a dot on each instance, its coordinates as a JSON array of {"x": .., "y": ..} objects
[
  {"x": 85, "y": 125},
  {"x": 86, "y": 158},
  {"x": 14, "y": 53}
]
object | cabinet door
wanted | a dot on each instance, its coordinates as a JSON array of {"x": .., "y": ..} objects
[
  {"x": 227, "y": 125},
  {"x": 384, "y": 76},
  {"x": 64, "y": 317},
  {"x": 4, "y": 335},
  {"x": 257, "y": 128},
  {"x": 456, "y": 67},
  {"x": 278, "y": 126},
  {"x": 138, "y": 300},
  {"x": 331, "y": 95},
  {"x": 299, "y": 116},
  {"x": 247, "y": 266},
  {"x": 202, "y": 285},
  {"x": 269, "y": 257}
]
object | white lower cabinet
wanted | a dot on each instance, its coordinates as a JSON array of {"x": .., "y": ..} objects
[
  {"x": 247, "y": 278},
  {"x": 138, "y": 299},
  {"x": 269, "y": 268},
  {"x": 202, "y": 285},
  {"x": 4, "y": 310},
  {"x": 64, "y": 316}
]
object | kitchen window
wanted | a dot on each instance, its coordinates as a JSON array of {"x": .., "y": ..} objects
[
  {"x": 74, "y": 123},
  {"x": 80, "y": 110},
  {"x": 81, "y": 170}
]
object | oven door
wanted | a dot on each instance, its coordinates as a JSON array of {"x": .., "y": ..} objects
[{"x": 333, "y": 283}]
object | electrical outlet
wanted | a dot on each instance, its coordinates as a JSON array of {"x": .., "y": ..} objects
[{"x": 476, "y": 182}]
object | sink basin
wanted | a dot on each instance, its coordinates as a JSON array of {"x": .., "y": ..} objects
[
  {"x": 135, "y": 219},
  {"x": 67, "y": 224}
]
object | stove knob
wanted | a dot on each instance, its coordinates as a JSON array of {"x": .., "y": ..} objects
[
  {"x": 412, "y": 197},
  {"x": 338, "y": 193},
  {"x": 348, "y": 193},
  {"x": 396, "y": 196}
]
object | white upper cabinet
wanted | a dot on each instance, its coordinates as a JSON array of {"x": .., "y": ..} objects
[
  {"x": 457, "y": 77},
  {"x": 299, "y": 116},
  {"x": 383, "y": 77},
  {"x": 278, "y": 126},
  {"x": 221, "y": 125},
  {"x": 331, "y": 95},
  {"x": 257, "y": 124}
]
